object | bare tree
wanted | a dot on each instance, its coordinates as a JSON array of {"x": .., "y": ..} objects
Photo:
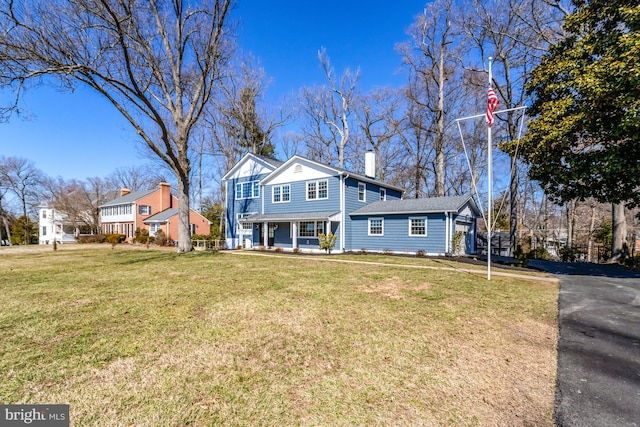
[
  {"x": 515, "y": 34},
  {"x": 157, "y": 62},
  {"x": 379, "y": 120},
  {"x": 327, "y": 111},
  {"x": 243, "y": 116},
  {"x": 23, "y": 179},
  {"x": 431, "y": 57},
  {"x": 414, "y": 137},
  {"x": 135, "y": 178}
]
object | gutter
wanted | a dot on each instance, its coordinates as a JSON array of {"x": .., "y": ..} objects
[{"x": 343, "y": 214}]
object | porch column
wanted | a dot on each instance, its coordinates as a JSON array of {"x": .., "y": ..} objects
[
  {"x": 294, "y": 234},
  {"x": 265, "y": 233}
]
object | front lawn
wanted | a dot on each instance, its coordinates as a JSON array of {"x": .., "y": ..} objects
[{"x": 152, "y": 338}]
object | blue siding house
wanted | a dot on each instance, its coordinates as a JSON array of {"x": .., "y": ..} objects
[{"x": 287, "y": 205}]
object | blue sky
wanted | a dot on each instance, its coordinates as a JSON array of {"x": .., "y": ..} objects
[{"x": 80, "y": 135}]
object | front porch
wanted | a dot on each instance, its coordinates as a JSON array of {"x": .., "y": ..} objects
[{"x": 292, "y": 231}]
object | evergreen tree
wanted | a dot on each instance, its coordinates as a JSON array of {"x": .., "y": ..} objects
[{"x": 584, "y": 140}]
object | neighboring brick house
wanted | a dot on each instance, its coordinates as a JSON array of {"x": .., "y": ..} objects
[{"x": 152, "y": 210}]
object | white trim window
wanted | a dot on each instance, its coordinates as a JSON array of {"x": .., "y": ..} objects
[
  {"x": 144, "y": 210},
  {"x": 281, "y": 193},
  {"x": 376, "y": 226},
  {"x": 383, "y": 194},
  {"x": 154, "y": 227},
  {"x": 247, "y": 190},
  {"x": 244, "y": 227},
  {"x": 417, "y": 227},
  {"x": 362, "y": 192},
  {"x": 310, "y": 228},
  {"x": 318, "y": 190}
]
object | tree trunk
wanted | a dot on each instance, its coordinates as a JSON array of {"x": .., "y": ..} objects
[
  {"x": 592, "y": 227},
  {"x": 7, "y": 229},
  {"x": 184, "y": 229},
  {"x": 571, "y": 207},
  {"x": 439, "y": 142},
  {"x": 619, "y": 245}
]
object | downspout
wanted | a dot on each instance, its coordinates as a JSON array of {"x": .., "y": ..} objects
[
  {"x": 227, "y": 231},
  {"x": 343, "y": 215},
  {"x": 447, "y": 233}
]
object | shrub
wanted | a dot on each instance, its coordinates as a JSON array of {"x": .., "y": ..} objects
[
  {"x": 114, "y": 239},
  {"x": 92, "y": 238},
  {"x": 201, "y": 237},
  {"x": 569, "y": 253},
  {"x": 297, "y": 250},
  {"x": 539, "y": 253},
  {"x": 457, "y": 243},
  {"x": 161, "y": 238},
  {"x": 387, "y": 251},
  {"x": 363, "y": 251},
  {"x": 420, "y": 253},
  {"x": 521, "y": 256},
  {"x": 279, "y": 249},
  {"x": 327, "y": 241},
  {"x": 142, "y": 236}
]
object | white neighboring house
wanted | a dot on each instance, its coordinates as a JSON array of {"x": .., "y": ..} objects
[{"x": 53, "y": 225}]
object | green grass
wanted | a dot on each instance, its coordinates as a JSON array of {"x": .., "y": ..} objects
[{"x": 149, "y": 337}]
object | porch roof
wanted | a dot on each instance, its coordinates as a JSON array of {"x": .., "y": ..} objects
[
  {"x": 162, "y": 217},
  {"x": 293, "y": 216}
]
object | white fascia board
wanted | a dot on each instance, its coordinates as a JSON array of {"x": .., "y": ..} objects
[
  {"x": 243, "y": 168},
  {"x": 309, "y": 170}
]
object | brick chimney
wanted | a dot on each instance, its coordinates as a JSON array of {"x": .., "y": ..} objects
[
  {"x": 165, "y": 196},
  {"x": 124, "y": 191}
]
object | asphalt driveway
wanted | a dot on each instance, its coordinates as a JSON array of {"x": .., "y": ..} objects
[{"x": 598, "y": 377}]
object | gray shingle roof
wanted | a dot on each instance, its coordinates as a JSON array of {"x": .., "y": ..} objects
[
  {"x": 291, "y": 216},
  {"x": 414, "y": 206},
  {"x": 162, "y": 216},
  {"x": 273, "y": 162},
  {"x": 129, "y": 198}
]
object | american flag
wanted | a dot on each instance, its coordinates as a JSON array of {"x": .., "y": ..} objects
[{"x": 492, "y": 104}]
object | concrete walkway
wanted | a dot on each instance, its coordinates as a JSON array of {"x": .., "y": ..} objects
[
  {"x": 479, "y": 271},
  {"x": 598, "y": 377}
]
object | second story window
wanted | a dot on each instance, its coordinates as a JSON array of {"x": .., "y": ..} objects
[
  {"x": 281, "y": 193},
  {"x": 362, "y": 192},
  {"x": 144, "y": 210},
  {"x": 383, "y": 194},
  {"x": 318, "y": 190},
  {"x": 247, "y": 190}
]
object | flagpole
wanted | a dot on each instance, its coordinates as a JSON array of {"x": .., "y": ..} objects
[{"x": 489, "y": 172}]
